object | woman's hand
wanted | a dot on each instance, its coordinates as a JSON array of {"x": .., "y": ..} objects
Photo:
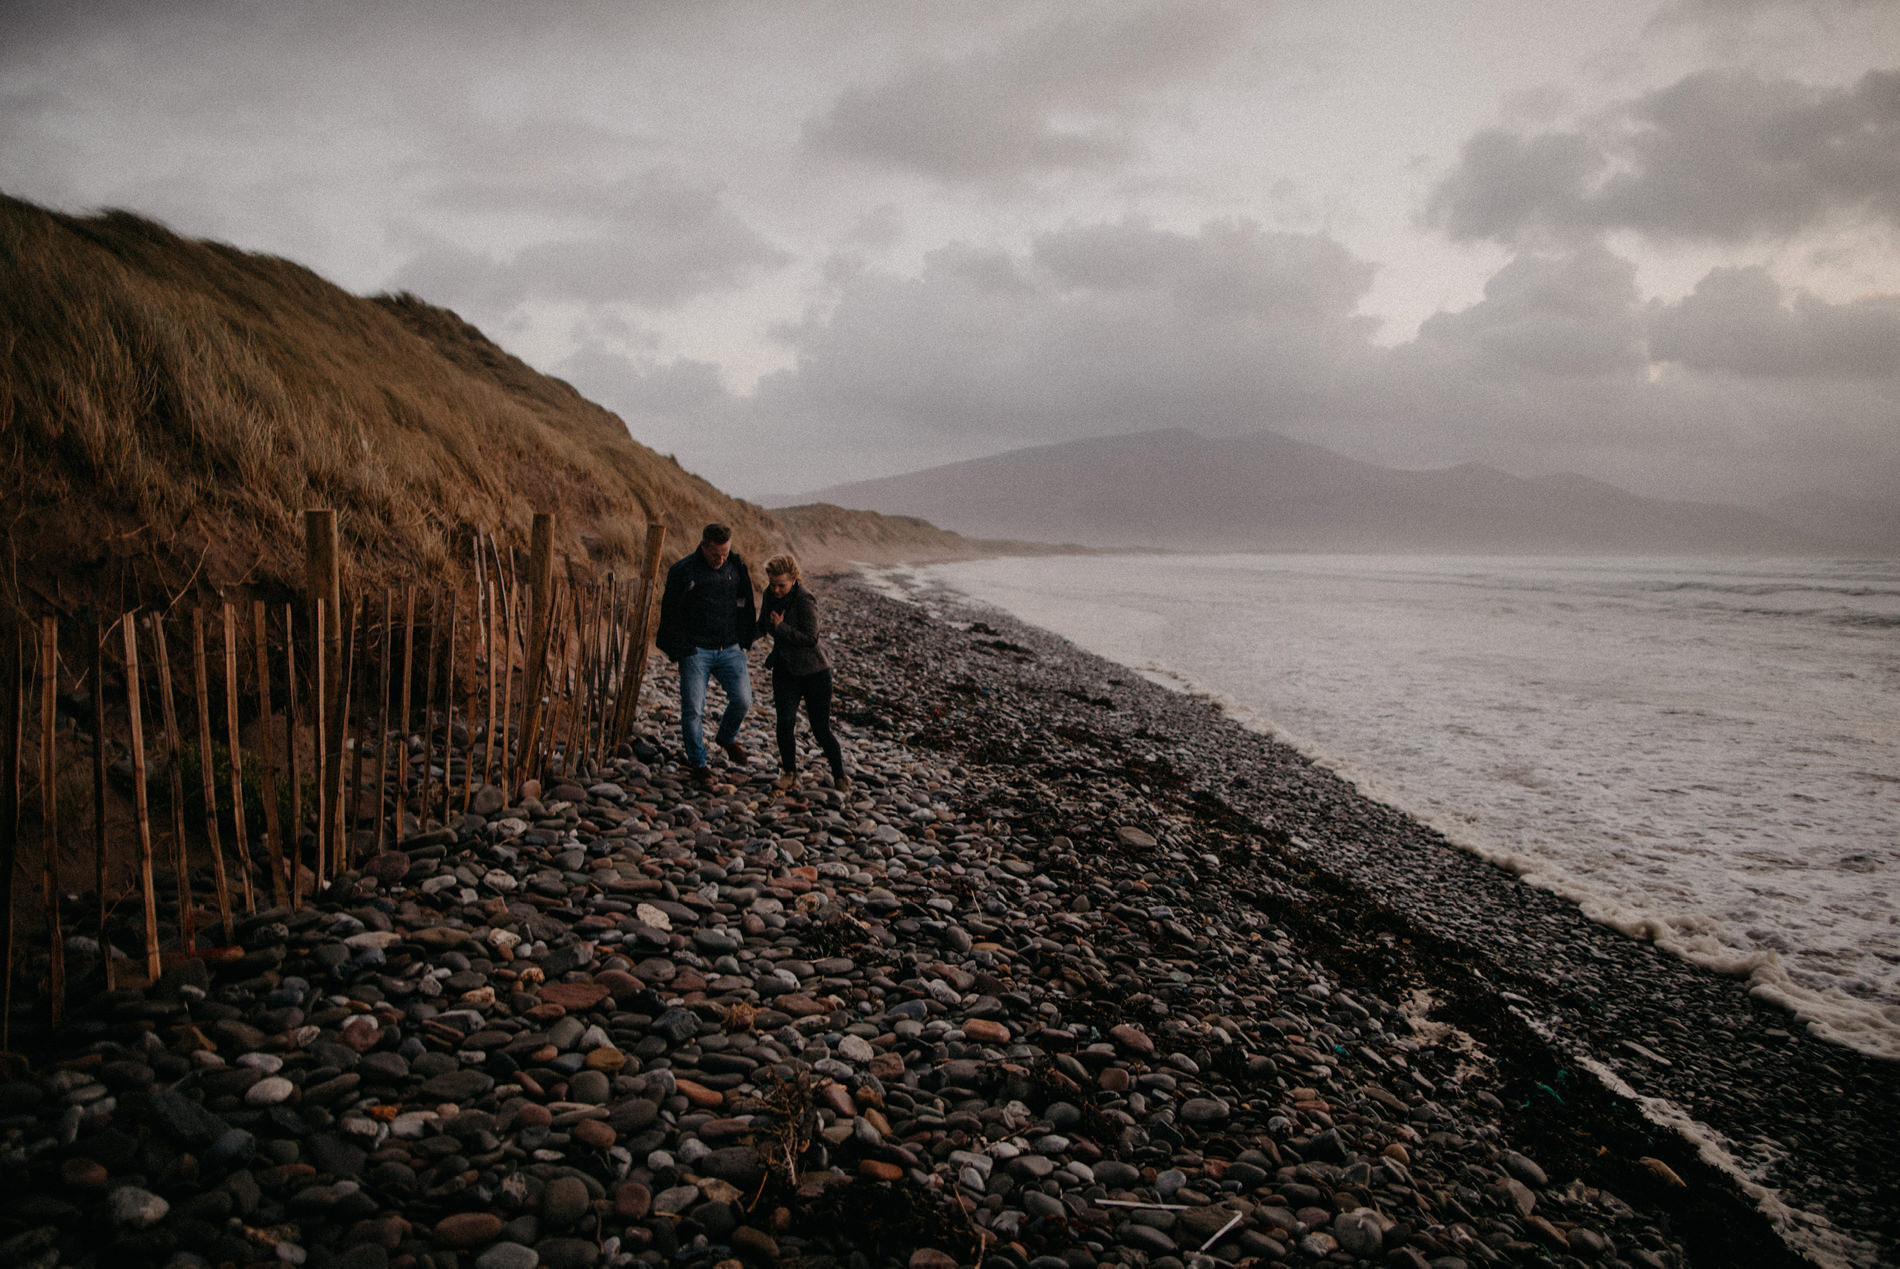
[{"x": 777, "y": 617}]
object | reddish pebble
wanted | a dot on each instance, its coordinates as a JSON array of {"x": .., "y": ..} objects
[
  {"x": 468, "y": 1229},
  {"x": 619, "y": 983},
  {"x": 878, "y": 1170},
  {"x": 1133, "y": 1038},
  {"x": 699, "y": 1095},
  {"x": 529, "y": 1115},
  {"x": 592, "y": 1132},
  {"x": 798, "y": 1005},
  {"x": 573, "y": 996},
  {"x": 81, "y": 1173},
  {"x": 984, "y": 1031},
  {"x": 632, "y": 1201}
]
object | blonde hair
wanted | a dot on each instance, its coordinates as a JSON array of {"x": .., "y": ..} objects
[{"x": 783, "y": 566}]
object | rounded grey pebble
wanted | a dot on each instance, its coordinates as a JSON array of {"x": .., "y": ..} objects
[{"x": 508, "y": 1256}]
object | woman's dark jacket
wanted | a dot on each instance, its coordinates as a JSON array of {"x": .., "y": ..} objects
[{"x": 795, "y": 647}]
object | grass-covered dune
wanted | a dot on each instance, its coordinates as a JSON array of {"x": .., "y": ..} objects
[{"x": 169, "y": 407}]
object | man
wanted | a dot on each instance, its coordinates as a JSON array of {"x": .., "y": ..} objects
[{"x": 708, "y": 618}]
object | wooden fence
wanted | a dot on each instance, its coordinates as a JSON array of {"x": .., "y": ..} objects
[{"x": 520, "y": 678}]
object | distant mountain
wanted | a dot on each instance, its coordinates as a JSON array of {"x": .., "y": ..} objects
[
  {"x": 1264, "y": 491},
  {"x": 1869, "y": 524}
]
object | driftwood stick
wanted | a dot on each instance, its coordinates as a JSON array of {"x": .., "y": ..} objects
[
  {"x": 49, "y": 814},
  {"x": 201, "y": 685},
  {"x": 99, "y": 791},
  {"x": 234, "y": 741},
  {"x": 273, "y": 828},
  {"x": 128, "y": 629},
  {"x": 174, "y": 756}
]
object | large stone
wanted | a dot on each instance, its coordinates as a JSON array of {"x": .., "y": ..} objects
[
  {"x": 456, "y": 1086},
  {"x": 574, "y": 997},
  {"x": 564, "y": 1202},
  {"x": 468, "y": 1229},
  {"x": 133, "y": 1208}
]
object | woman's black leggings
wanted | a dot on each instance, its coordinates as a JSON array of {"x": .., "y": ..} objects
[{"x": 815, "y": 691}]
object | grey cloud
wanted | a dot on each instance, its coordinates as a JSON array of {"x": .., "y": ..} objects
[
  {"x": 1568, "y": 315},
  {"x": 1062, "y": 95},
  {"x": 652, "y": 240},
  {"x": 1721, "y": 155},
  {"x": 1097, "y": 329},
  {"x": 1738, "y": 322}
]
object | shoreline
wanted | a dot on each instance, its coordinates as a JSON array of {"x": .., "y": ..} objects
[
  {"x": 1047, "y": 987},
  {"x": 1845, "y": 1001},
  {"x": 1695, "y": 1048}
]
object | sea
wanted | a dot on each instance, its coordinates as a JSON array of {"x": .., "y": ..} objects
[{"x": 1700, "y": 752}]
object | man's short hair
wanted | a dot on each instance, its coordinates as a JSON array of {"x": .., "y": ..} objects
[{"x": 717, "y": 534}]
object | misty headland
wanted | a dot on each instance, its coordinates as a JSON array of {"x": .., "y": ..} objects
[{"x": 1178, "y": 490}]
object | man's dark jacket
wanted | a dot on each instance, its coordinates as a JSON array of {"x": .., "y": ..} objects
[{"x": 704, "y": 607}]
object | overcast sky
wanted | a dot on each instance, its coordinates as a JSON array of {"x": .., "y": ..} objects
[{"x": 1652, "y": 241}]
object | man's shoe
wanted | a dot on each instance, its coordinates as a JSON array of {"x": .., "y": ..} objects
[
  {"x": 842, "y": 784},
  {"x": 737, "y": 752},
  {"x": 786, "y": 782},
  {"x": 702, "y": 774}
]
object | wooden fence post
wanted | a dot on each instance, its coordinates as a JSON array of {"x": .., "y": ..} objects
[
  {"x": 541, "y": 582},
  {"x": 129, "y": 630},
  {"x": 49, "y": 814},
  {"x": 235, "y": 742},
  {"x": 293, "y": 718},
  {"x": 324, "y": 591},
  {"x": 426, "y": 791},
  {"x": 382, "y": 732},
  {"x": 99, "y": 791},
  {"x": 402, "y": 707},
  {"x": 644, "y": 607},
  {"x": 201, "y": 683},
  {"x": 174, "y": 754},
  {"x": 273, "y": 827},
  {"x": 12, "y": 737}
]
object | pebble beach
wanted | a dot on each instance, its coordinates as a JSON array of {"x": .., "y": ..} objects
[{"x": 1078, "y": 972}]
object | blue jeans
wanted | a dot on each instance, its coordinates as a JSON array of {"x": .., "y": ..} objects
[{"x": 728, "y": 666}]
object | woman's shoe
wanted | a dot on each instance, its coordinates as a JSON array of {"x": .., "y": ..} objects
[
  {"x": 841, "y": 783},
  {"x": 786, "y": 782}
]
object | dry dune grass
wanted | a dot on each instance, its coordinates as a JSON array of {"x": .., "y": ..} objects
[{"x": 169, "y": 407}]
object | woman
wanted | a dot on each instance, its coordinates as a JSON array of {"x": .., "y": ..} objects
[{"x": 800, "y": 671}]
